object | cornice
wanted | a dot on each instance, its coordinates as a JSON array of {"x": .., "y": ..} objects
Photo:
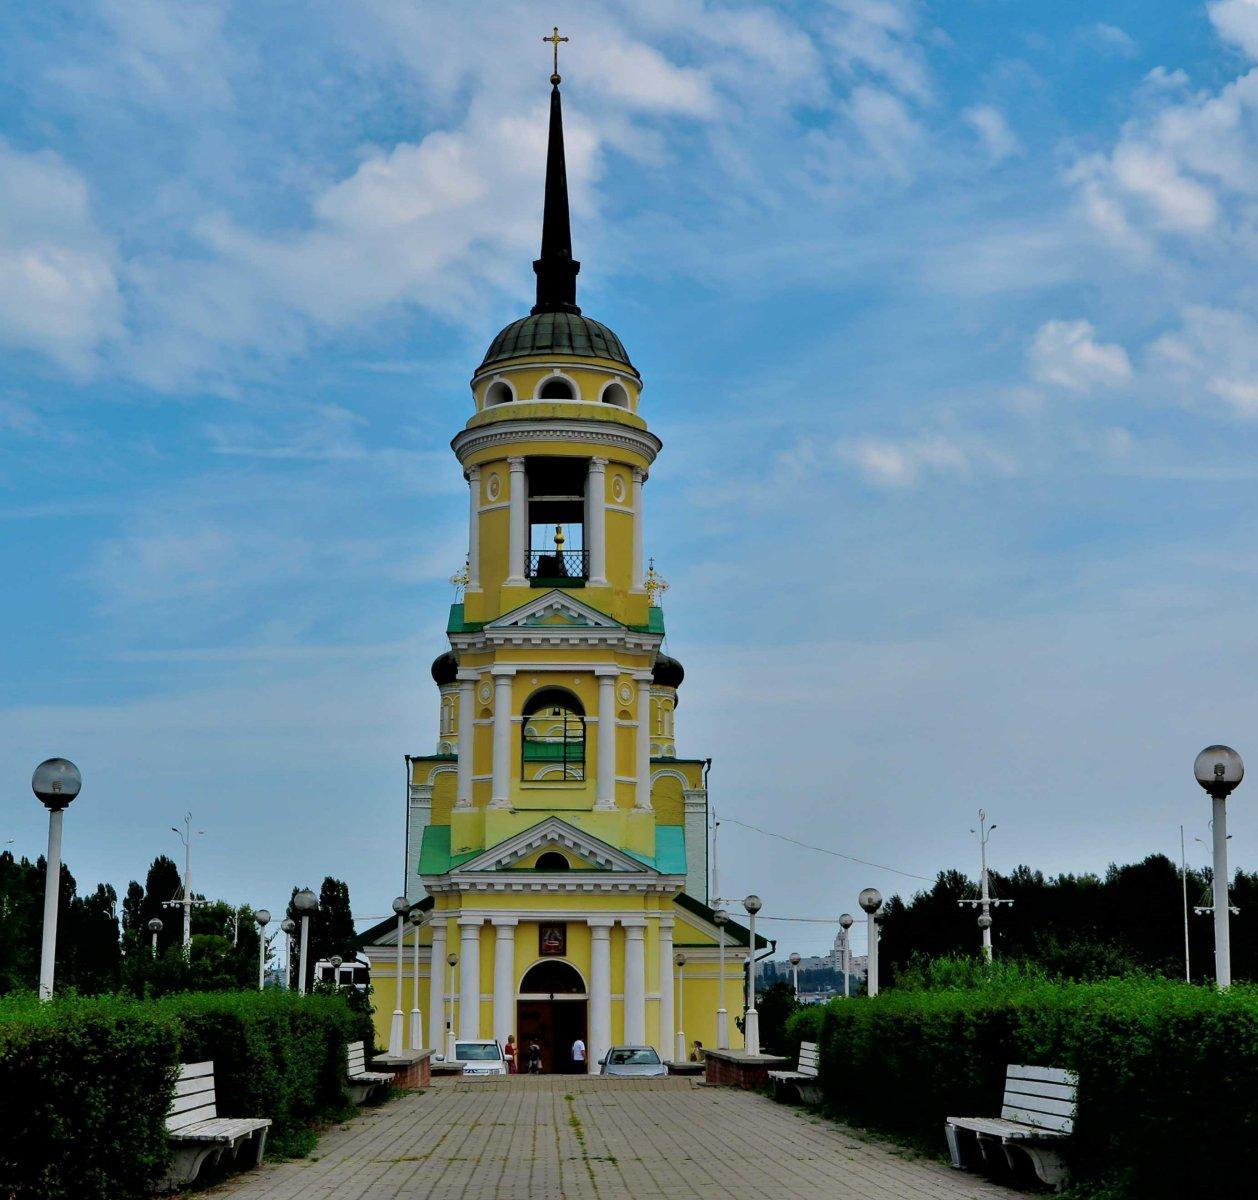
[{"x": 509, "y": 433}]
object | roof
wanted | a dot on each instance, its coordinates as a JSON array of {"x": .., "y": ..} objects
[
  {"x": 388, "y": 924},
  {"x": 550, "y": 333},
  {"x": 737, "y": 934}
]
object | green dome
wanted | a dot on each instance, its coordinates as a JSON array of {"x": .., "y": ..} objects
[{"x": 547, "y": 333}]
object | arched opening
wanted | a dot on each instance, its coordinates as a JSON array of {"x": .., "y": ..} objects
[
  {"x": 552, "y": 860},
  {"x": 552, "y": 1011},
  {"x": 614, "y": 393},
  {"x": 556, "y": 388},
  {"x": 498, "y": 393},
  {"x": 552, "y": 742}
]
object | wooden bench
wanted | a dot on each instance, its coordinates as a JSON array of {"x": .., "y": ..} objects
[
  {"x": 803, "y": 1080},
  {"x": 1037, "y": 1117},
  {"x": 198, "y": 1133},
  {"x": 361, "y": 1081}
]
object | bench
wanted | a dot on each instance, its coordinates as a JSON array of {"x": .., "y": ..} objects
[
  {"x": 361, "y": 1081},
  {"x": 1037, "y": 1117},
  {"x": 198, "y": 1133},
  {"x": 803, "y": 1080}
]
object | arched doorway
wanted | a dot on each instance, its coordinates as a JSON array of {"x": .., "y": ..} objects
[{"x": 552, "y": 1011}]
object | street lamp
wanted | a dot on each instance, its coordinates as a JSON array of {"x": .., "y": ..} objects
[
  {"x": 263, "y": 918},
  {"x": 155, "y": 927},
  {"x": 1219, "y": 769},
  {"x": 335, "y": 963},
  {"x": 416, "y": 918},
  {"x": 289, "y": 926},
  {"x": 56, "y": 782},
  {"x": 305, "y": 902},
  {"x": 871, "y": 901},
  {"x": 452, "y": 961},
  {"x": 719, "y": 918},
  {"x": 401, "y": 906},
  {"x": 795, "y": 973},
  {"x": 679, "y": 960},
  {"x": 751, "y": 1018},
  {"x": 847, "y": 921}
]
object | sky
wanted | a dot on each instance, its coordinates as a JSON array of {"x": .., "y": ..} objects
[{"x": 948, "y": 320}]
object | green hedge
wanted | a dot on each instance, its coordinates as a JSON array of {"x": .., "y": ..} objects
[
  {"x": 1168, "y": 1073},
  {"x": 85, "y": 1084}
]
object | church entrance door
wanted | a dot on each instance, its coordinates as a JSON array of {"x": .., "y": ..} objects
[{"x": 553, "y": 1012}]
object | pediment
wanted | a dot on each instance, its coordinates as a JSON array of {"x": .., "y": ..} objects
[
  {"x": 554, "y": 833},
  {"x": 554, "y": 609}
]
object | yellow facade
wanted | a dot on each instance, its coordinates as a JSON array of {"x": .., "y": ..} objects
[{"x": 556, "y": 844}]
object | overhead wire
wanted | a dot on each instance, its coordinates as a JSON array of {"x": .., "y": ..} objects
[{"x": 822, "y": 850}]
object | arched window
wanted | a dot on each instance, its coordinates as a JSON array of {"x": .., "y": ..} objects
[
  {"x": 498, "y": 393},
  {"x": 557, "y": 389},
  {"x": 552, "y": 860},
  {"x": 615, "y": 394},
  {"x": 552, "y": 742}
]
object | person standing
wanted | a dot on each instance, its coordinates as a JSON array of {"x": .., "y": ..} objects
[
  {"x": 508, "y": 1052},
  {"x": 535, "y": 1059},
  {"x": 578, "y": 1057}
]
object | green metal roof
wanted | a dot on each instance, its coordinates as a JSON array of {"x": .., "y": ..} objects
[{"x": 548, "y": 333}]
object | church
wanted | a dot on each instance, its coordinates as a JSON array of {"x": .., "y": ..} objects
[{"x": 556, "y": 841}]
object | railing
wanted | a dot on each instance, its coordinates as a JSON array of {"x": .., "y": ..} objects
[{"x": 559, "y": 564}]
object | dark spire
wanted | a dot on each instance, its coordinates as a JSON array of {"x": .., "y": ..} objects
[{"x": 556, "y": 270}]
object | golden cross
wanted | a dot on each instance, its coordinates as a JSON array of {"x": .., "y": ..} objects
[{"x": 555, "y": 39}]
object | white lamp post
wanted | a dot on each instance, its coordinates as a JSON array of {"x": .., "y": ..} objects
[
  {"x": 155, "y": 927},
  {"x": 416, "y": 919},
  {"x": 719, "y": 918},
  {"x": 397, "y": 1029},
  {"x": 452, "y": 961},
  {"x": 263, "y": 919},
  {"x": 305, "y": 902},
  {"x": 289, "y": 926},
  {"x": 847, "y": 921},
  {"x": 679, "y": 959},
  {"x": 871, "y": 901},
  {"x": 795, "y": 973},
  {"x": 751, "y": 1020},
  {"x": 56, "y": 782},
  {"x": 1219, "y": 769}
]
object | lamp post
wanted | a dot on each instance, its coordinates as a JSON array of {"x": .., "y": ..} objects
[
  {"x": 751, "y": 1019},
  {"x": 871, "y": 901},
  {"x": 1219, "y": 769},
  {"x": 846, "y": 921},
  {"x": 335, "y": 963},
  {"x": 263, "y": 919},
  {"x": 416, "y": 918},
  {"x": 679, "y": 960},
  {"x": 719, "y": 918},
  {"x": 187, "y": 902},
  {"x": 289, "y": 926},
  {"x": 795, "y": 972},
  {"x": 155, "y": 927},
  {"x": 397, "y": 1029},
  {"x": 452, "y": 961},
  {"x": 305, "y": 902},
  {"x": 56, "y": 782}
]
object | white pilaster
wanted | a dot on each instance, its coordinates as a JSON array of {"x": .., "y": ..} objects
[
  {"x": 501, "y": 793},
  {"x": 437, "y": 988},
  {"x": 695, "y": 816},
  {"x": 635, "y": 982},
  {"x": 637, "y": 583},
  {"x": 504, "y": 977},
  {"x": 596, "y": 520},
  {"x": 642, "y": 745},
  {"x": 469, "y": 978},
  {"x": 467, "y": 727},
  {"x": 605, "y": 792},
  {"x": 600, "y": 990},
  {"x": 473, "y": 530},
  {"x": 667, "y": 1022},
  {"x": 518, "y": 527}
]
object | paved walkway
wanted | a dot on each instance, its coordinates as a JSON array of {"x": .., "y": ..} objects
[{"x": 575, "y": 1138}]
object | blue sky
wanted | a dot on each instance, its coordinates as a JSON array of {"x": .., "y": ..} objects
[{"x": 948, "y": 322}]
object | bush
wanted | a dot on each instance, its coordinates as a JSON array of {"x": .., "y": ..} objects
[
  {"x": 85, "y": 1085},
  {"x": 1168, "y": 1073}
]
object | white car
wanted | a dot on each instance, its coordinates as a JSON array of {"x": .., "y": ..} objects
[{"x": 480, "y": 1058}]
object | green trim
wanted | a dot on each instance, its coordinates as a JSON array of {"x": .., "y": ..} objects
[
  {"x": 559, "y": 583},
  {"x": 368, "y": 936},
  {"x": 434, "y": 757},
  {"x": 738, "y": 934}
]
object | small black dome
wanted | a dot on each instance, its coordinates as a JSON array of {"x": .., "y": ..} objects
[
  {"x": 445, "y": 668},
  {"x": 548, "y": 333},
  {"x": 667, "y": 672}
]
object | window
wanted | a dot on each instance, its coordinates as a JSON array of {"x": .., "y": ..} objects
[
  {"x": 613, "y": 393},
  {"x": 552, "y": 744},
  {"x": 634, "y": 1056},
  {"x": 498, "y": 393},
  {"x": 552, "y": 860},
  {"x": 557, "y": 389}
]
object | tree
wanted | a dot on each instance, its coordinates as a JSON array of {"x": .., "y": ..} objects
[
  {"x": 775, "y": 1005},
  {"x": 331, "y": 928}
]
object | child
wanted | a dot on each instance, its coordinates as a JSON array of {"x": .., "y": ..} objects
[{"x": 535, "y": 1059}]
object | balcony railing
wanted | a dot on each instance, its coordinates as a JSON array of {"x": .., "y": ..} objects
[{"x": 559, "y": 564}]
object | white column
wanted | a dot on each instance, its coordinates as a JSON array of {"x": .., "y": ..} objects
[
  {"x": 635, "y": 982},
  {"x": 642, "y": 745},
  {"x": 504, "y": 977},
  {"x": 596, "y": 520},
  {"x": 473, "y": 530},
  {"x": 639, "y": 567},
  {"x": 605, "y": 792},
  {"x": 600, "y": 990},
  {"x": 437, "y": 988},
  {"x": 469, "y": 978},
  {"x": 518, "y": 528},
  {"x": 467, "y": 728},
  {"x": 667, "y": 1022},
  {"x": 503, "y": 678}
]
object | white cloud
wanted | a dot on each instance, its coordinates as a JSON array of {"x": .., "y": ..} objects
[
  {"x": 1112, "y": 39},
  {"x": 903, "y": 462},
  {"x": 1237, "y": 21},
  {"x": 989, "y": 123},
  {"x": 1213, "y": 354},
  {"x": 1067, "y": 354},
  {"x": 879, "y": 38}
]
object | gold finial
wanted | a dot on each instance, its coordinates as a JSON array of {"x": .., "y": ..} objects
[
  {"x": 555, "y": 39},
  {"x": 559, "y": 538},
  {"x": 461, "y": 579},
  {"x": 656, "y": 586}
]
